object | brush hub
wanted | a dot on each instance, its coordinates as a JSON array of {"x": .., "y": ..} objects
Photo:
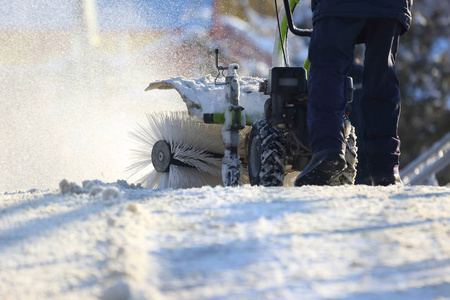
[{"x": 161, "y": 156}]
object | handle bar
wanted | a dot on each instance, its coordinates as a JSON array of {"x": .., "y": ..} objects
[{"x": 294, "y": 30}]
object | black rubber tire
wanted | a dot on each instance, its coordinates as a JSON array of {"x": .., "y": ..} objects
[{"x": 266, "y": 155}]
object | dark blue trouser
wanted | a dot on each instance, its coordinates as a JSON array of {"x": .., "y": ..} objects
[{"x": 331, "y": 56}]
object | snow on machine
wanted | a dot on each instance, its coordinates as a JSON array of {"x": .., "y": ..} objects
[{"x": 236, "y": 130}]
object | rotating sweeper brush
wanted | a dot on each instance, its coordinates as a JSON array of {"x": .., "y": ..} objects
[{"x": 176, "y": 152}]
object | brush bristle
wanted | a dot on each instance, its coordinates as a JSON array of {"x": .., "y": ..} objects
[{"x": 190, "y": 142}]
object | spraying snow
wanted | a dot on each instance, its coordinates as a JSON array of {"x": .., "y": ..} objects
[{"x": 67, "y": 107}]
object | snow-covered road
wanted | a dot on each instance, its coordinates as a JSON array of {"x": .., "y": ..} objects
[{"x": 112, "y": 242}]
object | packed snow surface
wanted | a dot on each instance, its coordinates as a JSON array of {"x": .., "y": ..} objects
[{"x": 115, "y": 241}]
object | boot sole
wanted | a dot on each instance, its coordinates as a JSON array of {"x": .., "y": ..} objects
[{"x": 322, "y": 173}]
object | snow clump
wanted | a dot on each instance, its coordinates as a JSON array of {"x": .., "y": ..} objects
[
  {"x": 67, "y": 187},
  {"x": 92, "y": 188},
  {"x": 111, "y": 193}
]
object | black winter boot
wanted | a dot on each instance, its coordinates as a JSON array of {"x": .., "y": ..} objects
[{"x": 324, "y": 166}]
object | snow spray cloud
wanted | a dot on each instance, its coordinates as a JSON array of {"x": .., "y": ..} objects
[{"x": 68, "y": 100}]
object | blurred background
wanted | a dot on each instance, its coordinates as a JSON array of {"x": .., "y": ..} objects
[{"x": 73, "y": 74}]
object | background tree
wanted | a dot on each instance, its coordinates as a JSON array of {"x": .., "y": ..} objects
[{"x": 424, "y": 70}]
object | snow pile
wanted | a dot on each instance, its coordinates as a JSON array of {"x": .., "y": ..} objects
[
  {"x": 203, "y": 96},
  {"x": 93, "y": 188},
  {"x": 352, "y": 242}
]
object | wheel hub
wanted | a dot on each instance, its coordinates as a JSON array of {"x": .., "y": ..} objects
[{"x": 161, "y": 156}]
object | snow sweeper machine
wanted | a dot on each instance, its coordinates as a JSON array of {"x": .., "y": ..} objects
[{"x": 237, "y": 130}]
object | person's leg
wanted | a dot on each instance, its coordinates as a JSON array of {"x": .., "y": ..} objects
[
  {"x": 381, "y": 100},
  {"x": 331, "y": 56}
]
